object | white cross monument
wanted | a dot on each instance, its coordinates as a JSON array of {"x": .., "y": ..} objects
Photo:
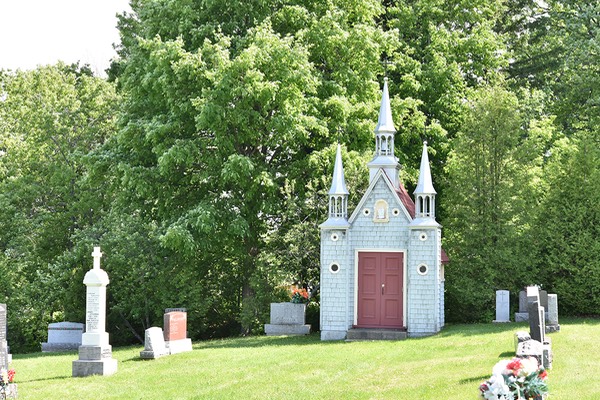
[{"x": 95, "y": 353}]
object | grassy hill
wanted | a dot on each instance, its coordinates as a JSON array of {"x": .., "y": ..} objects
[{"x": 447, "y": 366}]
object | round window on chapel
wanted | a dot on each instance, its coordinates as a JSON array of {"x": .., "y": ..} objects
[
  {"x": 334, "y": 268},
  {"x": 422, "y": 269}
]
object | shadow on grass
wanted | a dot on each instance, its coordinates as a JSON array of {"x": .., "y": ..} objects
[
  {"x": 481, "y": 328},
  {"x": 506, "y": 354},
  {"x": 54, "y": 378},
  {"x": 262, "y": 341},
  {"x": 474, "y": 379},
  {"x": 49, "y": 354}
]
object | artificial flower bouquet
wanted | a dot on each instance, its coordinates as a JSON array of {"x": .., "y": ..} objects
[
  {"x": 299, "y": 296},
  {"x": 519, "y": 378},
  {"x": 6, "y": 378}
]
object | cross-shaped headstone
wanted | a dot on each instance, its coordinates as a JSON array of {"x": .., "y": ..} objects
[{"x": 97, "y": 254}]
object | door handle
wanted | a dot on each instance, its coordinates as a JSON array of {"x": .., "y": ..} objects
[{"x": 382, "y": 288}]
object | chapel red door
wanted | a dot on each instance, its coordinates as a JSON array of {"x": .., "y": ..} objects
[{"x": 380, "y": 290}]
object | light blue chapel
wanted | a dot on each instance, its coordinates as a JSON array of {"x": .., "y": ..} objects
[{"x": 382, "y": 268}]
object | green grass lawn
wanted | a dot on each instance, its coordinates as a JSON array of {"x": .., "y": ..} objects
[{"x": 447, "y": 366}]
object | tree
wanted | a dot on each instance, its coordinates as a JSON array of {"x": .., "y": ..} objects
[{"x": 495, "y": 169}]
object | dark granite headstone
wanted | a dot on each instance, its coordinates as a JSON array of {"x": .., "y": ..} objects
[
  {"x": 544, "y": 299},
  {"x": 537, "y": 328}
]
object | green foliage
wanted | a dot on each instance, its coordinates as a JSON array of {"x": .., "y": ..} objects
[{"x": 494, "y": 169}]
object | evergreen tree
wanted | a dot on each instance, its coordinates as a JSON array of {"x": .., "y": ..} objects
[{"x": 494, "y": 170}]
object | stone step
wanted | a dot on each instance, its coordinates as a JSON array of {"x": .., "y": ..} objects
[{"x": 356, "y": 334}]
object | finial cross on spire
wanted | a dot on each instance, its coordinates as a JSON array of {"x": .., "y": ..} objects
[
  {"x": 97, "y": 254},
  {"x": 385, "y": 63}
]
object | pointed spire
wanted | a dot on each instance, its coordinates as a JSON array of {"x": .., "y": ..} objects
[
  {"x": 338, "y": 197},
  {"x": 384, "y": 157},
  {"x": 385, "y": 122},
  {"x": 338, "y": 185},
  {"x": 424, "y": 185},
  {"x": 424, "y": 196}
]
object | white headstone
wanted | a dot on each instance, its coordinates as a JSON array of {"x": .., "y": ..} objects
[
  {"x": 502, "y": 306},
  {"x": 154, "y": 344}
]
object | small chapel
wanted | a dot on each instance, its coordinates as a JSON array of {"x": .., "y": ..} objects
[{"x": 382, "y": 268}]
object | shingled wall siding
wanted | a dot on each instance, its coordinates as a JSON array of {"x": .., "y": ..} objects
[
  {"x": 424, "y": 290},
  {"x": 334, "y": 287}
]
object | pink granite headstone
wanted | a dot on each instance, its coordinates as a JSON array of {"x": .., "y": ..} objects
[{"x": 175, "y": 326}]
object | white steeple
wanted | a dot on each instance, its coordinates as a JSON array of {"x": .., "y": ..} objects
[
  {"x": 424, "y": 193},
  {"x": 384, "y": 141},
  {"x": 338, "y": 185},
  {"x": 385, "y": 123},
  {"x": 424, "y": 185},
  {"x": 338, "y": 197}
]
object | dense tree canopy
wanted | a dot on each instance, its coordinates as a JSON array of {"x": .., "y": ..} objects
[
  {"x": 202, "y": 165},
  {"x": 51, "y": 119}
]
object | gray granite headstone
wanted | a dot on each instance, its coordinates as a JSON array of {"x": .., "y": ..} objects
[
  {"x": 287, "y": 319},
  {"x": 4, "y": 349},
  {"x": 531, "y": 348},
  {"x": 177, "y": 309},
  {"x": 523, "y": 314},
  {"x": 523, "y": 301},
  {"x": 63, "y": 336},
  {"x": 502, "y": 306},
  {"x": 552, "y": 325}
]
